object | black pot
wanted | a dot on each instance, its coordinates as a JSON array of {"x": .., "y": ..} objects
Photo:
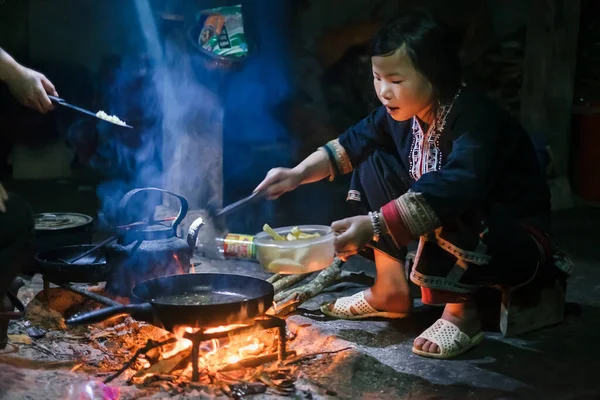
[
  {"x": 62, "y": 229},
  {"x": 91, "y": 268}
]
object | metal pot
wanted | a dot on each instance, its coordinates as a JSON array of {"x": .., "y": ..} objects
[{"x": 61, "y": 229}]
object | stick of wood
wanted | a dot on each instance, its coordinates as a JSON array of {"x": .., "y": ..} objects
[
  {"x": 284, "y": 294},
  {"x": 287, "y": 281},
  {"x": 274, "y": 278},
  {"x": 325, "y": 279},
  {"x": 150, "y": 344},
  {"x": 252, "y": 362},
  {"x": 310, "y": 355}
]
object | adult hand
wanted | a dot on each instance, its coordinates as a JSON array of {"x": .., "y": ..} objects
[
  {"x": 3, "y": 198},
  {"x": 31, "y": 88},
  {"x": 279, "y": 181},
  {"x": 353, "y": 235}
]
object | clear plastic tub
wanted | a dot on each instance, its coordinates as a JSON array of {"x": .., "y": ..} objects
[{"x": 296, "y": 256}]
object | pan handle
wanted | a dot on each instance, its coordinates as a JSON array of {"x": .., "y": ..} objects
[{"x": 141, "y": 312}]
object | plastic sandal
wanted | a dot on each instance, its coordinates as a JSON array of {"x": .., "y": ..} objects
[
  {"x": 342, "y": 309},
  {"x": 451, "y": 341}
]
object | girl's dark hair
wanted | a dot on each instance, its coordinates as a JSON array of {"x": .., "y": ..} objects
[{"x": 431, "y": 46}]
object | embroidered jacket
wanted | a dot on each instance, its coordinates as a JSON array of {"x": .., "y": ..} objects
[{"x": 476, "y": 156}]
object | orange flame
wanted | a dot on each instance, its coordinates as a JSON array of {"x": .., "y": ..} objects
[
  {"x": 180, "y": 267},
  {"x": 216, "y": 353}
]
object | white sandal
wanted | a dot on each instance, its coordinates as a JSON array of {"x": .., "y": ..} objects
[
  {"x": 451, "y": 341},
  {"x": 342, "y": 309}
]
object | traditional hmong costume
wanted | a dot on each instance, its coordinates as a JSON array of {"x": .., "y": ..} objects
[{"x": 469, "y": 188}]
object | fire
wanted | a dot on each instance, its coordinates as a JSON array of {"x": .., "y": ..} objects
[
  {"x": 180, "y": 267},
  {"x": 233, "y": 359},
  {"x": 224, "y": 328},
  {"x": 218, "y": 352},
  {"x": 182, "y": 344}
]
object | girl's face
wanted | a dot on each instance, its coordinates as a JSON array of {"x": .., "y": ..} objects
[{"x": 401, "y": 88}]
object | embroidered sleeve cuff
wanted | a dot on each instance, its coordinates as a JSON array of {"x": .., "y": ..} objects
[
  {"x": 338, "y": 157},
  {"x": 409, "y": 217}
]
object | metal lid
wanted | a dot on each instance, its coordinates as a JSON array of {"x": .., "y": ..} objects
[{"x": 60, "y": 221}]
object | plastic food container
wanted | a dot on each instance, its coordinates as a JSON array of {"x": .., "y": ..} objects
[{"x": 296, "y": 256}]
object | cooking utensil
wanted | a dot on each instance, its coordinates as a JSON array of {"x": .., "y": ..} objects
[
  {"x": 146, "y": 250},
  {"x": 216, "y": 220},
  {"x": 296, "y": 256},
  {"x": 229, "y": 299},
  {"x": 63, "y": 103},
  {"x": 91, "y": 268},
  {"x": 62, "y": 229},
  {"x": 113, "y": 238},
  {"x": 253, "y": 198},
  {"x": 90, "y": 251}
]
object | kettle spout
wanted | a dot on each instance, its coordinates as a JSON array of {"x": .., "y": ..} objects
[{"x": 193, "y": 231}]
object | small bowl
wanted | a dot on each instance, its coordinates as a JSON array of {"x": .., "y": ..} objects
[{"x": 296, "y": 256}]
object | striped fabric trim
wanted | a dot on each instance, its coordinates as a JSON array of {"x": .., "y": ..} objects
[
  {"x": 417, "y": 214},
  {"x": 342, "y": 160}
]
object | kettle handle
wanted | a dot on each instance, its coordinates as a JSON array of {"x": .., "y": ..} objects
[{"x": 183, "y": 203}]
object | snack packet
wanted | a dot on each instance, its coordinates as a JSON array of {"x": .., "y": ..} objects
[{"x": 223, "y": 31}]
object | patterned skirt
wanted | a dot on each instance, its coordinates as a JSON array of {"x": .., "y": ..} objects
[{"x": 487, "y": 246}]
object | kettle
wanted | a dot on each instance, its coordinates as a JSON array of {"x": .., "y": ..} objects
[{"x": 148, "y": 248}]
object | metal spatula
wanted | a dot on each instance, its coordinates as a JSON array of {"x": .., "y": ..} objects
[{"x": 62, "y": 102}]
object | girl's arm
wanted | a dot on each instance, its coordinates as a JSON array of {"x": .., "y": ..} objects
[{"x": 358, "y": 142}]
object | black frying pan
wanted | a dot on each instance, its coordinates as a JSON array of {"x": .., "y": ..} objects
[
  {"x": 90, "y": 268},
  {"x": 226, "y": 299}
]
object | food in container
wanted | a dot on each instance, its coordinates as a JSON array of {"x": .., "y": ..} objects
[{"x": 308, "y": 249}]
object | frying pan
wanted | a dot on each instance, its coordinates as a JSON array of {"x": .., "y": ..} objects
[
  {"x": 90, "y": 268},
  {"x": 242, "y": 298}
]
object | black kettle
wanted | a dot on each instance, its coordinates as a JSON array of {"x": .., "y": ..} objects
[{"x": 146, "y": 248}]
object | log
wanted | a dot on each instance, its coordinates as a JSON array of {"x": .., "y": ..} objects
[
  {"x": 297, "y": 296},
  {"x": 274, "y": 278},
  {"x": 168, "y": 365},
  {"x": 288, "y": 281},
  {"x": 252, "y": 362},
  {"x": 150, "y": 344}
]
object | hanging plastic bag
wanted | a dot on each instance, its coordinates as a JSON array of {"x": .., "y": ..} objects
[{"x": 223, "y": 31}]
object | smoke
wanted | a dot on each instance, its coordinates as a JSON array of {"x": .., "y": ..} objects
[{"x": 195, "y": 127}]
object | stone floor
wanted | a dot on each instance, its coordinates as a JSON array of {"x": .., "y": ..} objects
[{"x": 560, "y": 362}]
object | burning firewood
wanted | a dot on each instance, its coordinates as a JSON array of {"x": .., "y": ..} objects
[
  {"x": 149, "y": 346},
  {"x": 168, "y": 365},
  {"x": 252, "y": 362}
]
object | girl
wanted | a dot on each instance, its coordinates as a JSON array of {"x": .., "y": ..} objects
[{"x": 437, "y": 162}]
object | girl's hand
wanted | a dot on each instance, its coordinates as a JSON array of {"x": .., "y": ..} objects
[
  {"x": 279, "y": 181},
  {"x": 354, "y": 234}
]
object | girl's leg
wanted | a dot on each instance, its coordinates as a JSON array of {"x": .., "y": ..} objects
[
  {"x": 506, "y": 254},
  {"x": 463, "y": 315},
  {"x": 391, "y": 291},
  {"x": 375, "y": 182}
]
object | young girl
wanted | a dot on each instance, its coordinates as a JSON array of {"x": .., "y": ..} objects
[{"x": 437, "y": 162}]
